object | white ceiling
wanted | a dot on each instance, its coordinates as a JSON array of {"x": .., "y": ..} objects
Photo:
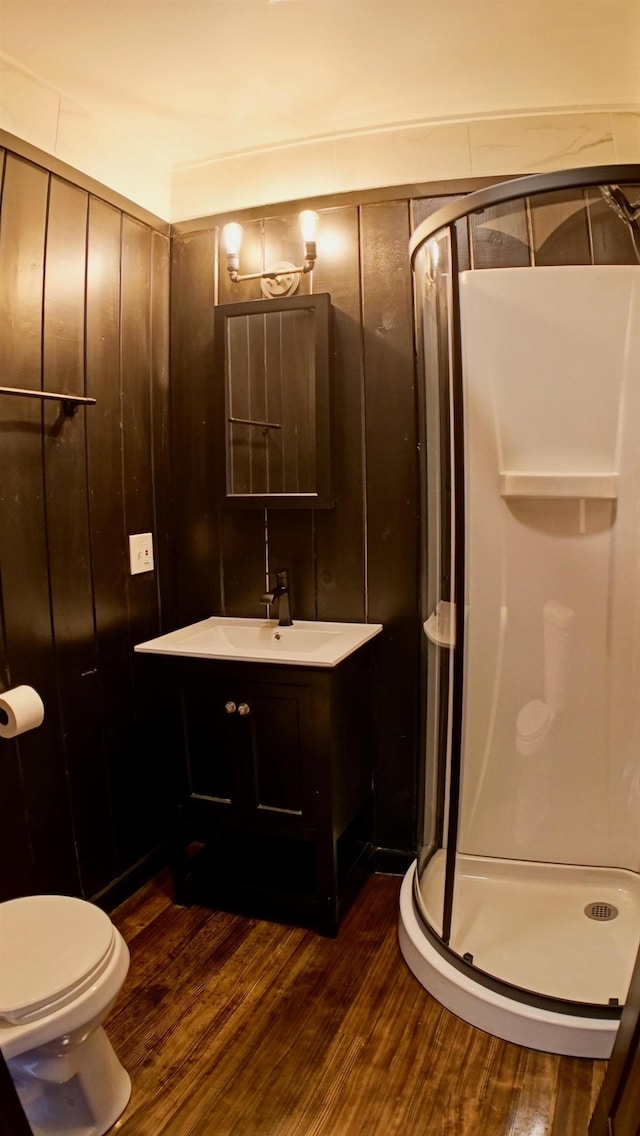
[{"x": 193, "y": 80}]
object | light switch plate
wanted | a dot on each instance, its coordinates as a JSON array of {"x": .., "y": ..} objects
[{"x": 141, "y": 553}]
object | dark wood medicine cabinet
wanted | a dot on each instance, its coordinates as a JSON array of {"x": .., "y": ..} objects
[{"x": 272, "y": 402}]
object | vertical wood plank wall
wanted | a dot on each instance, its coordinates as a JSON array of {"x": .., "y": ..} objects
[
  {"x": 358, "y": 560},
  {"x": 84, "y": 310}
]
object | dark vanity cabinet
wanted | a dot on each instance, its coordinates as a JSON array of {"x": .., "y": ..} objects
[{"x": 275, "y": 811}]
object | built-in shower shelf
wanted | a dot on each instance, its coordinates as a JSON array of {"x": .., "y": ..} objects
[
  {"x": 525, "y": 483},
  {"x": 440, "y": 627}
]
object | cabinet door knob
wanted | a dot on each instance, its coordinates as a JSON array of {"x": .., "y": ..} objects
[
  {"x": 244, "y": 709},
  {"x": 230, "y": 707}
]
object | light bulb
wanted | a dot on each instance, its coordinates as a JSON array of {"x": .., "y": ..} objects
[
  {"x": 232, "y": 237},
  {"x": 308, "y": 224}
]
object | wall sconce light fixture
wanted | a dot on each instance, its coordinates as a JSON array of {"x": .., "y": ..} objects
[{"x": 282, "y": 278}]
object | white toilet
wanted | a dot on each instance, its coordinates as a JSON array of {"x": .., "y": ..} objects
[{"x": 62, "y": 966}]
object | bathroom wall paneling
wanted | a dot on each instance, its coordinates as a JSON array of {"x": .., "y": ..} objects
[
  {"x": 360, "y": 555},
  {"x": 243, "y": 551},
  {"x": 141, "y": 769},
  {"x": 340, "y": 532},
  {"x": 291, "y": 532},
  {"x": 14, "y": 840},
  {"x": 84, "y": 303},
  {"x": 161, "y": 430},
  {"x": 392, "y": 522},
  {"x": 66, "y": 505},
  {"x": 560, "y": 229},
  {"x": 41, "y": 807},
  {"x": 425, "y": 207},
  {"x": 104, "y": 462},
  {"x": 500, "y": 236},
  {"x": 82, "y": 285},
  {"x": 195, "y": 521}
]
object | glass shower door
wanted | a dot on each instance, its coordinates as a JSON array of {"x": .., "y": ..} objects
[{"x": 434, "y": 280}]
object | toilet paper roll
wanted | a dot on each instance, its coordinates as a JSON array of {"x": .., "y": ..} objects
[{"x": 21, "y": 709}]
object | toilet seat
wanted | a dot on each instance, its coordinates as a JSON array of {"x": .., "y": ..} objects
[{"x": 52, "y": 948}]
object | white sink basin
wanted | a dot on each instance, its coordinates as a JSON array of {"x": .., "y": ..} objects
[{"x": 306, "y": 643}]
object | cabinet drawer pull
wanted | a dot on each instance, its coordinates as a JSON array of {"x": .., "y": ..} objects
[
  {"x": 244, "y": 709},
  {"x": 230, "y": 707}
]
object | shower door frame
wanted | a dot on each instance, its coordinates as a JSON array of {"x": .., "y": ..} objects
[{"x": 445, "y": 220}]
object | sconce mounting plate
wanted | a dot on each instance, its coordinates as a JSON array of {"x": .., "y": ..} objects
[{"x": 284, "y": 282}]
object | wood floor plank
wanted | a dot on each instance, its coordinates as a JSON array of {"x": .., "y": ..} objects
[
  {"x": 538, "y": 1082},
  {"x": 572, "y": 1112},
  {"x": 296, "y": 1023},
  {"x": 239, "y": 1027},
  {"x": 206, "y": 1018},
  {"x": 137, "y": 912}
]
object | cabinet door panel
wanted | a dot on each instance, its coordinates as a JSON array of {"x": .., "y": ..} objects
[
  {"x": 280, "y": 716},
  {"x": 212, "y": 741}
]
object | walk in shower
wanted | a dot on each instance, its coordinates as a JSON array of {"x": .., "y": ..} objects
[{"x": 522, "y": 911}]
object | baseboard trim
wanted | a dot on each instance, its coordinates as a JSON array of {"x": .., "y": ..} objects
[
  {"x": 392, "y": 861},
  {"x": 126, "y": 884}
]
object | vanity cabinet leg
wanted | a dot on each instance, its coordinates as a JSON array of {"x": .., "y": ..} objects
[
  {"x": 327, "y": 924},
  {"x": 327, "y": 887}
]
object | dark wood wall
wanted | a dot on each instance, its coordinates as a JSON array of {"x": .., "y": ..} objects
[
  {"x": 84, "y": 310},
  {"x": 358, "y": 560}
]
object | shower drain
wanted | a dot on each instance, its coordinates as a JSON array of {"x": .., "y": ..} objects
[{"x": 600, "y": 911}]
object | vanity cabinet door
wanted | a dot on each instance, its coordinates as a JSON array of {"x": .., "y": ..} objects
[
  {"x": 249, "y": 748},
  {"x": 214, "y": 764},
  {"x": 278, "y": 722}
]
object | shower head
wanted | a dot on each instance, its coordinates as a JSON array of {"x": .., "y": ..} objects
[
  {"x": 620, "y": 204},
  {"x": 626, "y": 210}
]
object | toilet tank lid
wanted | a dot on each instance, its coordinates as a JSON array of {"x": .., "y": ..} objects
[{"x": 48, "y": 946}]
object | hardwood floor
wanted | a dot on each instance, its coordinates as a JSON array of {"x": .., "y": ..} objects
[{"x": 231, "y": 1026}]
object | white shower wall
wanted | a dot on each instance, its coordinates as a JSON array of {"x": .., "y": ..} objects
[{"x": 551, "y": 366}]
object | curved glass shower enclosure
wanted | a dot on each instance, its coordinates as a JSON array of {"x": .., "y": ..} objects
[{"x": 522, "y": 912}]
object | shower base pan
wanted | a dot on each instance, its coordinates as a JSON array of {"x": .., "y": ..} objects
[{"x": 533, "y": 926}]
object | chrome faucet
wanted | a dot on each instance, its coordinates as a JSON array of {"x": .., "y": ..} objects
[{"x": 280, "y": 595}]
